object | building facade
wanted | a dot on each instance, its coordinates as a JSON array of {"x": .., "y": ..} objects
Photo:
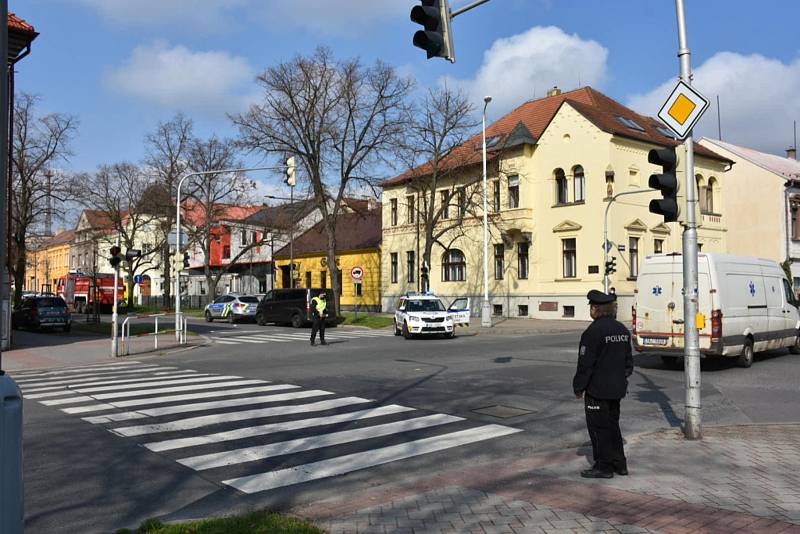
[
  {"x": 763, "y": 190},
  {"x": 554, "y": 166},
  {"x": 358, "y": 249},
  {"x": 50, "y": 261}
]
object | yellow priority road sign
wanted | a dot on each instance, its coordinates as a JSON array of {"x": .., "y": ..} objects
[{"x": 682, "y": 109}]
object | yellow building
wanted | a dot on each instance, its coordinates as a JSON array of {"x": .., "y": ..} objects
[
  {"x": 358, "y": 241},
  {"x": 49, "y": 261},
  {"x": 554, "y": 164}
]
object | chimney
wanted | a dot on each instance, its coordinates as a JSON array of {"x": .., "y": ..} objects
[
  {"x": 791, "y": 152},
  {"x": 555, "y": 91}
]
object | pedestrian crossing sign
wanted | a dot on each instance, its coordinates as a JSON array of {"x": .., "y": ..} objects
[{"x": 683, "y": 109}]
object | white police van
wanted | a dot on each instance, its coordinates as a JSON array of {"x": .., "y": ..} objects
[
  {"x": 425, "y": 314},
  {"x": 745, "y": 305}
]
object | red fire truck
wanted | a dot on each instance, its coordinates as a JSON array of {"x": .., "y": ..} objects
[{"x": 82, "y": 291}]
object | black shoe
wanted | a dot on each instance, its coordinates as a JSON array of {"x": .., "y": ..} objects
[
  {"x": 324, "y": 343},
  {"x": 312, "y": 343},
  {"x": 621, "y": 472},
  {"x": 596, "y": 473}
]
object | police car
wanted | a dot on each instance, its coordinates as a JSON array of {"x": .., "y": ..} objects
[
  {"x": 232, "y": 307},
  {"x": 426, "y": 315}
]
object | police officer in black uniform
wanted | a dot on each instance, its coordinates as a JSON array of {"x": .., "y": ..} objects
[{"x": 605, "y": 362}]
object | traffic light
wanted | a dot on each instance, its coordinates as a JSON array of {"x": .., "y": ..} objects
[
  {"x": 185, "y": 260},
  {"x": 667, "y": 182},
  {"x": 131, "y": 254},
  {"x": 436, "y": 39},
  {"x": 611, "y": 266},
  {"x": 291, "y": 168},
  {"x": 115, "y": 258}
]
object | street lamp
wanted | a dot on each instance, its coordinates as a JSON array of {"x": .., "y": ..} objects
[
  {"x": 486, "y": 313},
  {"x": 178, "y": 324}
]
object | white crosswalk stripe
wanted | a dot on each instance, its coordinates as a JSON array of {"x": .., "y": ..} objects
[
  {"x": 279, "y": 336},
  {"x": 235, "y": 428}
]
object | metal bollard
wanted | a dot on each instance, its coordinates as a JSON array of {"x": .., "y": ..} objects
[
  {"x": 156, "y": 334},
  {"x": 12, "y": 506}
]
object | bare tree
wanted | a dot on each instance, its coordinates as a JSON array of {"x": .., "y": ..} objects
[
  {"x": 118, "y": 192},
  {"x": 437, "y": 151},
  {"x": 211, "y": 196},
  {"x": 341, "y": 120},
  {"x": 167, "y": 158},
  {"x": 39, "y": 142}
]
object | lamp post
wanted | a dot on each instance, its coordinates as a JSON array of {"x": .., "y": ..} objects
[
  {"x": 178, "y": 233},
  {"x": 486, "y": 313}
]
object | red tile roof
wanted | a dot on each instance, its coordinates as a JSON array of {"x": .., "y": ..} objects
[
  {"x": 16, "y": 23},
  {"x": 61, "y": 238},
  {"x": 194, "y": 212},
  {"x": 354, "y": 231},
  {"x": 536, "y": 115},
  {"x": 98, "y": 219}
]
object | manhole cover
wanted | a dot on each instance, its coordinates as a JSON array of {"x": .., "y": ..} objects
[{"x": 502, "y": 412}]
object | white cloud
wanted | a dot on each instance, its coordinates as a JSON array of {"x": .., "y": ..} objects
[
  {"x": 202, "y": 15},
  {"x": 182, "y": 79},
  {"x": 759, "y": 98},
  {"x": 517, "y": 68}
]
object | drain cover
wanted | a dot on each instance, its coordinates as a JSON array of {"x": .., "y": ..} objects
[{"x": 502, "y": 412}]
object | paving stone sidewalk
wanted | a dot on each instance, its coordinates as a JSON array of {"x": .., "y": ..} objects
[{"x": 736, "y": 479}]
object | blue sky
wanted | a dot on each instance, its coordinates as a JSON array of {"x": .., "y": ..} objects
[{"x": 121, "y": 66}]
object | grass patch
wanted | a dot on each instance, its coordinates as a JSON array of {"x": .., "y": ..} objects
[
  {"x": 370, "y": 320},
  {"x": 194, "y": 312},
  {"x": 251, "y": 523}
]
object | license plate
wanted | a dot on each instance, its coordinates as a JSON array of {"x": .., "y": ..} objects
[{"x": 662, "y": 341}]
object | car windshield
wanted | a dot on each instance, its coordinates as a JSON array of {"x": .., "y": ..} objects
[
  {"x": 250, "y": 300},
  {"x": 424, "y": 306},
  {"x": 51, "y": 303}
]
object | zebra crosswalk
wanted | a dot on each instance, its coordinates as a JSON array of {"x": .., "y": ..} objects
[
  {"x": 238, "y": 337},
  {"x": 250, "y": 434}
]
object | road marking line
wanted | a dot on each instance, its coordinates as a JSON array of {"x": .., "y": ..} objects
[
  {"x": 183, "y": 397},
  {"x": 57, "y": 390},
  {"x": 142, "y": 393},
  {"x": 224, "y": 342},
  {"x": 67, "y": 380},
  {"x": 341, "y": 465},
  {"x": 243, "y": 415},
  {"x": 198, "y": 407},
  {"x": 262, "y": 430},
  {"x": 262, "y": 452},
  {"x": 178, "y": 381},
  {"x": 23, "y": 374}
]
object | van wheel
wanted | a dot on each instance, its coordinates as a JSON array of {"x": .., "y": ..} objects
[
  {"x": 795, "y": 349},
  {"x": 406, "y": 333},
  {"x": 397, "y": 331},
  {"x": 297, "y": 321},
  {"x": 208, "y": 317},
  {"x": 260, "y": 320},
  {"x": 746, "y": 357}
]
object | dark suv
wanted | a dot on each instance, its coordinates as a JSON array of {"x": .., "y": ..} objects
[
  {"x": 41, "y": 311},
  {"x": 291, "y": 306}
]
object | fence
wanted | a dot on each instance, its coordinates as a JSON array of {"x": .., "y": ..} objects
[{"x": 187, "y": 301}]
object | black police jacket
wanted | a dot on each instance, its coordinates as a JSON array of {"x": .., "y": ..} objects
[{"x": 605, "y": 360}]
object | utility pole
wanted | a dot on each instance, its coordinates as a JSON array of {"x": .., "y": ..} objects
[{"x": 691, "y": 340}]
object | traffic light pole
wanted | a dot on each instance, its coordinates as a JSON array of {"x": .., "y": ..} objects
[
  {"x": 114, "y": 316},
  {"x": 605, "y": 231},
  {"x": 691, "y": 340}
]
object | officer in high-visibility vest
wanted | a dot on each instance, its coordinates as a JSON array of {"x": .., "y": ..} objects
[{"x": 319, "y": 310}]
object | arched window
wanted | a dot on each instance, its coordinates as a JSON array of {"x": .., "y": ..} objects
[
  {"x": 712, "y": 185},
  {"x": 701, "y": 192},
  {"x": 580, "y": 183},
  {"x": 561, "y": 187},
  {"x": 454, "y": 266}
]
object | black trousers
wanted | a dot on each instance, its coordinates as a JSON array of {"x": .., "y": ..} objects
[
  {"x": 318, "y": 326},
  {"x": 602, "y": 421}
]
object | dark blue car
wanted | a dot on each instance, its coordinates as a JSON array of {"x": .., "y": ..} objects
[{"x": 40, "y": 311}]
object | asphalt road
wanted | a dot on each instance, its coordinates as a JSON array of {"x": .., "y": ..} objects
[{"x": 80, "y": 477}]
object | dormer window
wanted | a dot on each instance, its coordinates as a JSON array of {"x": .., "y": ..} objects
[{"x": 490, "y": 142}]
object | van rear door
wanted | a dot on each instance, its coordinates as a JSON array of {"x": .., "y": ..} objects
[{"x": 659, "y": 306}]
